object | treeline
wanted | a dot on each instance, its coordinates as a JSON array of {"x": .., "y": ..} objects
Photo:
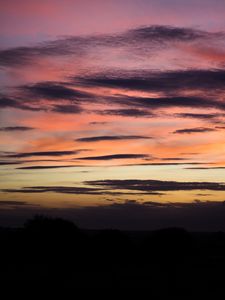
[{"x": 55, "y": 253}]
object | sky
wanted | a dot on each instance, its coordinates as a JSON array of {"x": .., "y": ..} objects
[{"x": 112, "y": 113}]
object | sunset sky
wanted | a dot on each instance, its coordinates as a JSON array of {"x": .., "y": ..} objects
[{"x": 112, "y": 113}]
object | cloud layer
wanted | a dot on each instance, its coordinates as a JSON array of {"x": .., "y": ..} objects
[{"x": 84, "y": 114}]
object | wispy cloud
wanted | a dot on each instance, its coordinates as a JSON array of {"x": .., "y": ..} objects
[
  {"x": 16, "y": 128},
  {"x": 42, "y": 153},
  {"x": 130, "y": 112},
  {"x": 194, "y": 130},
  {"x": 45, "y": 167},
  {"x": 203, "y": 116},
  {"x": 15, "y": 203},
  {"x": 111, "y": 138},
  {"x": 161, "y": 81},
  {"x": 72, "y": 190},
  {"x": 54, "y": 90},
  {"x": 157, "y": 185},
  {"x": 114, "y": 156},
  {"x": 140, "y": 39}
]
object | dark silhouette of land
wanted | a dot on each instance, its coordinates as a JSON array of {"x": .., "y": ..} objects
[{"x": 52, "y": 253}]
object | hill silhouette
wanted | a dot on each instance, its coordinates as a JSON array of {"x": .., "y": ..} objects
[{"x": 47, "y": 252}]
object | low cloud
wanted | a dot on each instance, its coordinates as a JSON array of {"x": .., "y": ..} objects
[
  {"x": 54, "y": 90},
  {"x": 148, "y": 37},
  {"x": 135, "y": 105},
  {"x": 16, "y": 128},
  {"x": 156, "y": 185},
  {"x": 5, "y": 163},
  {"x": 161, "y": 81},
  {"x": 11, "y": 202},
  {"x": 200, "y": 116},
  {"x": 73, "y": 190},
  {"x": 14, "y": 203},
  {"x": 206, "y": 168},
  {"x": 98, "y": 123},
  {"x": 114, "y": 156},
  {"x": 194, "y": 130},
  {"x": 44, "y": 167},
  {"x": 132, "y": 112},
  {"x": 67, "y": 109},
  {"x": 42, "y": 153},
  {"x": 111, "y": 138},
  {"x": 174, "y": 158},
  {"x": 56, "y": 189}
]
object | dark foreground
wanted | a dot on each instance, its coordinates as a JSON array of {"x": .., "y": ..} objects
[{"x": 55, "y": 254}]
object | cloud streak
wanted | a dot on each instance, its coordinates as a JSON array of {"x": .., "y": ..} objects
[
  {"x": 54, "y": 91},
  {"x": 162, "y": 81},
  {"x": 111, "y": 138},
  {"x": 72, "y": 190},
  {"x": 42, "y": 153},
  {"x": 157, "y": 185},
  {"x": 45, "y": 167},
  {"x": 16, "y": 128},
  {"x": 130, "y": 112},
  {"x": 166, "y": 102},
  {"x": 14, "y": 203},
  {"x": 114, "y": 156},
  {"x": 194, "y": 130},
  {"x": 148, "y": 37}
]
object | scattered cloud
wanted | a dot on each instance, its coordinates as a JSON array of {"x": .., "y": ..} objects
[
  {"x": 5, "y": 163},
  {"x": 72, "y": 190},
  {"x": 220, "y": 127},
  {"x": 157, "y": 185},
  {"x": 132, "y": 112},
  {"x": 16, "y": 128},
  {"x": 174, "y": 158},
  {"x": 42, "y": 153},
  {"x": 55, "y": 189},
  {"x": 54, "y": 91},
  {"x": 67, "y": 109},
  {"x": 206, "y": 168},
  {"x": 194, "y": 130},
  {"x": 98, "y": 123},
  {"x": 161, "y": 81},
  {"x": 111, "y": 138},
  {"x": 202, "y": 116},
  {"x": 148, "y": 37},
  {"x": 142, "y": 104},
  {"x": 14, "y": 203},
  {"x": 114, "y": 156},
  {"x": 45, "y": 167}
]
